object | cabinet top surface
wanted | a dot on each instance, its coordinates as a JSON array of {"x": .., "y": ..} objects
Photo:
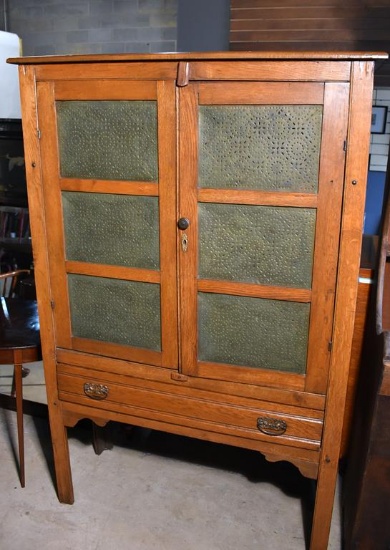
[{"x": 203, "y": 56}]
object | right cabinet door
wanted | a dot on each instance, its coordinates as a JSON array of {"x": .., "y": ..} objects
[{"x": 261, "y": 180}]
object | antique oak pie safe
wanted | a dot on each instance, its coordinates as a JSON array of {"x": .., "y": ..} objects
[{"x": 197, "y": 224}]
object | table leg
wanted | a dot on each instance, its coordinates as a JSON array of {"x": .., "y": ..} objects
[{"x": 19, "y": 414}]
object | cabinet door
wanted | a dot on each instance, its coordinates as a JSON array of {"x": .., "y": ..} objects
[
  {"x": 261, "y": 179},
  {"x": 108, "y": 157}
]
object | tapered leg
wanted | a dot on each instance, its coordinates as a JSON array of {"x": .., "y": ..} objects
[
  {"x": 19, "y": 416},
  {"x": 59, "y": 437},
  {"x": 323, "y": 508}
]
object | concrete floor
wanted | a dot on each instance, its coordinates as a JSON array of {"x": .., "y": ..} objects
[{"x": 152, "y": 491}]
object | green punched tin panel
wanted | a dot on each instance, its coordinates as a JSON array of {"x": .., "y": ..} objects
[
  {"x": 108, "y": 140},
  {"x": 111, "y": 229},
  {"x": 270, "y": 148},
  {"x": 256, "y": 244},
  {"x": 253, "y": 332},
  {"x": 263, "y": 147},
  {"x": 115, "y": 311}
]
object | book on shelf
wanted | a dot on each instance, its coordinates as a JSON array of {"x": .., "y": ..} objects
[{"x": 14, "y": 223}]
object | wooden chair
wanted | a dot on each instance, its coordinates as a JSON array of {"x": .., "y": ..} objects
[
  {"x": 10, "y": 282},
  {"x": 19, "y": 343}
]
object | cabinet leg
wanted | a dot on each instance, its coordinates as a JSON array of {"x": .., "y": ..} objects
[
  {"x": 323, "y": 506},
  {"x": 61, "y": 458}
]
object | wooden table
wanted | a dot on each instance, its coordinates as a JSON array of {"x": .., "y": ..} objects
[
  {"x": 19, "y": 344},
  {"x": 367, "y": 481}
]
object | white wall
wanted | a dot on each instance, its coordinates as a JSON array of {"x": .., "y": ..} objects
[
  {"x": 379, "y": 149},
  {"x": 9, "y": 83}
]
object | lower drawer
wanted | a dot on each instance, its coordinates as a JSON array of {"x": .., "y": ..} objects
[{"x": 167, "y": 404}]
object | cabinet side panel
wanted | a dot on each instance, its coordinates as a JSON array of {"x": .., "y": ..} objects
[
  {"x": 53, "y": 210},
  {"x": 346, "y": 293},
  {"x": 332, "y": 167},
  {"x": 42, "y": 279}
]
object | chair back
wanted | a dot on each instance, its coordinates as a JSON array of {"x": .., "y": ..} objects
[{"x": 9, "y": 282}]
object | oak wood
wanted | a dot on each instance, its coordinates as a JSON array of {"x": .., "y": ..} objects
[
  {"x": 265, "y": 377},
  {"x": 72, "y": 413},
  {"x": 187, "y": 195},
  {"x": 114, "y": 271},
  {"x": 307, "y": 469},
  {"x": 328, "y": 202},
  {"x": 99, "y": 62},
  {"x": 183, "y": 73},
  {"x": 306, "y": 430},
  {"x": 80, "y": 90},
  {"x": 348, "y": 270},
  {"x": 53, "y": 207},
  {"x": 41, "y": 271},
  {"x": 168, "y": 220},
  {"x": 222, "y": 387},
  {"x": 332, "y": 163},
  {"x": 264, "y": 71},
  {"x": 54, "y": 71},
  {"x": 258, "y": 93},
  {"x": 301, "y": 295},
  {"x": 172, "y": 390},
  {"x": 112, "y": 186},
  {"x": 264, "y": 198},
  {"x": 164, "y": 93},
  {"x": 208, "y": 393},
  {"x": 129, "y": 353}
]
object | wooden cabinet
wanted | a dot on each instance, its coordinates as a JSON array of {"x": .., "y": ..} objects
[{"x": 196, "y": 224}]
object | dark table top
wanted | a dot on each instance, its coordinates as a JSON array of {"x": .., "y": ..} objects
[{"x": 19, "y": 323}]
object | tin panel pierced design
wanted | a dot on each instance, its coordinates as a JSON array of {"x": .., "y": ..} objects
[
  {"x": 116, "y": 311},
  {"x": 257, "y": 244},
  {"x": 113, "y": 140},
  {"x": 266, "y": 147},
  {"x": 111, "y": 229},
  {"x": 253, "y": 332}
]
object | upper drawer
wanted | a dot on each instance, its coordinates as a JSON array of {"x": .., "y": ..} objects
[{"x": 264, "y": 422}]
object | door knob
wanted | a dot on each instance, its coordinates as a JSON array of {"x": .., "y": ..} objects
[{"x": 183, "y": 223}]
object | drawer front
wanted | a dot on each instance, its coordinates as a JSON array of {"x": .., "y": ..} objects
[{"x": 258, "y": 423}]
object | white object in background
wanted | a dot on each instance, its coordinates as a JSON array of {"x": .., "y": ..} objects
[{"x": 9, "y": 80}]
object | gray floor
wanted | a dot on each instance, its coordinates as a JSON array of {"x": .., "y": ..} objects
[{"x": 151, "y": 491}]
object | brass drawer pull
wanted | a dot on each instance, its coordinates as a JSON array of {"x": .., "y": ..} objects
[
  {"x": 271, "y": 426},
  {"x": 95, "y": 391}
]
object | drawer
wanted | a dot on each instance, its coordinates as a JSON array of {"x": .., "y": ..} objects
[{"x": 165, "y": 403}]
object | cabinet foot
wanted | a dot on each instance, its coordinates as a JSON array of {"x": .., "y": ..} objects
[{"x": 61, "y": 458}]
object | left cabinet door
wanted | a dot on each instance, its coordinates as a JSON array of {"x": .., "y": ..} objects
[{"x": 108, "y": 153}]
